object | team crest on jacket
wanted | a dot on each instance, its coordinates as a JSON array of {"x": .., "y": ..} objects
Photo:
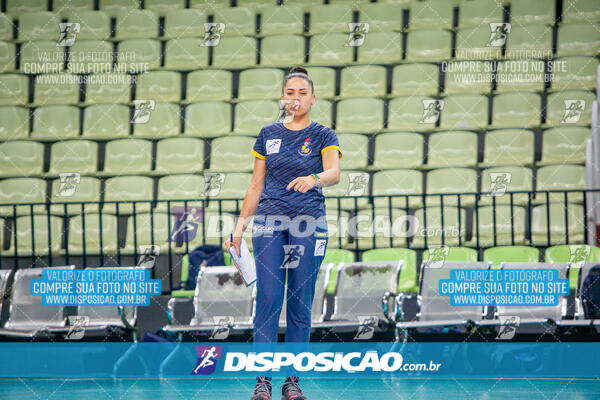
[{"x": 305, "y": 149}]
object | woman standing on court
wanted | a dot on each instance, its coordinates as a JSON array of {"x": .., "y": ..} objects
[{"x": 294, "y": 159}]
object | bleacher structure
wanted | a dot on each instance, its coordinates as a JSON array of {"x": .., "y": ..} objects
[{"x": 113, "y": 113}]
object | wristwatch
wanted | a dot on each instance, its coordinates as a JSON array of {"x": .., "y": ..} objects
[{"x": 317, "y": 178}]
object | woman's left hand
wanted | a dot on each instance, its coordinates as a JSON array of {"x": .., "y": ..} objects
[{"x": 302, "y": 184}]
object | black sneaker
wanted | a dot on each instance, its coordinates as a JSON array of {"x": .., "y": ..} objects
[
  {"x": 262, "y": 390},
  {"x": 291, "y": 390}
]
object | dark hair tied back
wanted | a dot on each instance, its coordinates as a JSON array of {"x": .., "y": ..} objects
[{"x": 299, "y": 72}]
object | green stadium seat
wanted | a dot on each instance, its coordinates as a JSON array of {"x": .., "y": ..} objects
[
  {"x": 145, "y": 223},
  {"x": 561, "y": 177},
  {"x": 464, "y": 111},
  {"x": 428, "y": 45},
  {"x": 520, "y": 75},
  {"x": 17, "y": 191},
  {"x": 55, "y": 122},
  {"x": 574, "y": 73},
  {"x": 574, "y": 253},
  {"x": 509, "y": 230},
  {"x": 139, "y": 55},
  {"x": 282, "y": 50},
  {"x": 517, "y": 110},
  {"x": 361, "y": 115},
  {"x": 105, "y": 121},
  {"x": 179, "y": 187},
  {"x": 381, "y": 17},
  {"x": 212, "y": 5},
  {"x": 209, "y": 85},
  {"x": 451, "y": 231},
  {"x": 398, "y": 182},
  {"x": 46, "y": 237},
  {"x": 531, "y": 41},
  {"x": 580, "y": 11},
  {"x": 324, "y": 81},
  {"x": 327, "y": 49},
  {"x": 460, "y": 77},
  {"x": 424, "y": 15},
  {"x": 127, "y": 189},
  {"x": 108, "y": 88},
  {"x": 578, "y": 39},
  {"x": 179, "y": 155},
  {"x": 15, "y": 123},
  {"x": 38, "y": 26},
  {"x": 42, "y": 57},
  {"x": 257, "y": 4},
  {"x": 456, "y": 253},
  {"x": 573, "y": 107},
  {"x": 321, "y": 112},
  {"x": 330, "y": 18},
  {"x": 260, "y": 83},
  {"x": 406, "y": 113},
  {"x": 235, "y": 53},
  {"x": 73, "y": 156},
  {"x": 93, "y": 25},
  {"x": 239, "y": 21},
  {"x": 564, "y": 145},
  {"x": 355, "y": 151},
  {"x": 208, "y": 119},
  {"x": 182, "y": 23},
  {"x": 137, "y": 24},
  {"x": 77, "y": 245},
  {"x": 87, "y": 192},
  {"x": 114, "y": 8},
  {"x": 407, "y": 282},
  {"x": 352, "y": 184},
  {"x": 162, "y": 7},
  {"x": 305, "y": 4},
  {"x": 252, "y": 115},
  {"x": 231, "y": 153},
  {"x": 127, "y": 157},
  {"x": 91, "y": 57},
  {"x": 337, "y": 256},
  {"x": 398, "y": 150},
  {"x": 164, "y": 122},
  {"x": 14, "y": 89},
  {"x": 234, "y": 187},
  {"x": 56, "y": 89},
  {"x": 506, "y": 179},
  {"x": 451, "y": 181},
  {"x": 159, "y": 86},
  {"x": 471, "y": 44},
  {"x": 480, "y": 13},
  {"x": 381, "y": 48},
  {"x": 363, "y": 80},
  {"x": 276, "y": 19},
  {"x": 558, "y": 227},
  {"x": 337, "y": 228},
  {"x": 21, "y": 158},
  {"x": 408, "y": 79},
  {"x": 68, "y": 8},
  {"x": 373, "y": 228},
  {"x": 6, "y": 27},
  {"x": 500, "y": 254},
  {"x": 452, "y": 149},
  {"x": 14, "y": 8},
  {"x": 8, "y": 57},
  {"x": 523, "y": 12},
  {"x": 185, "y": 54},
  {"x": 508, "y": 147}
]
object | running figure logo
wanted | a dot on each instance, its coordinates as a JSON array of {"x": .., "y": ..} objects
[
  {"x": 291, "y": 256},
  {"x": 573, "y": 111},
  {"x": 358, "y": 32},
  {"x": 499, "y": 34},
  {"x": 207, "y": 362},
  {"x": 431, "y": 111},
  {"x": 68, "y": 33}
]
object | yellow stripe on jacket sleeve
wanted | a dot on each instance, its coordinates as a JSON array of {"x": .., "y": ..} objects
[
  {"x": 258, "y": 155},
  {"x": 332, "y": 147}
]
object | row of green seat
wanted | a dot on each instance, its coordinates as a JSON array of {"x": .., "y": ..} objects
[
  {"x": 49, "y": 232},
  {"x": 391, "y": 151},
  {"x": 422, "y": 14},
  {"x": 213, "y": 119}
]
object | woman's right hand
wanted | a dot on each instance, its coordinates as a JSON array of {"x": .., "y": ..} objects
[{"x": 237, "y": 244}]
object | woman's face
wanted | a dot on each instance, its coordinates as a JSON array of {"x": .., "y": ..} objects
[{"x": 298, "y": 97}]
